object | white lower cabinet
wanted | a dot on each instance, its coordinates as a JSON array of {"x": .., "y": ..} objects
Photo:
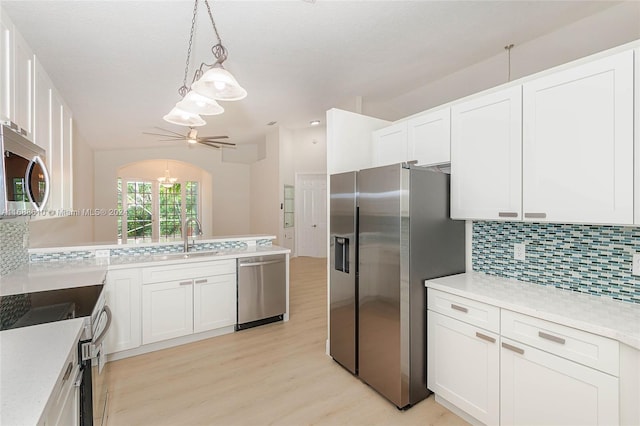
[
  {"x": 178, "y": 300},
  {"x": 464, "y": 363},
  {"x": 167, "y": 310},
  {"x": 560, "y": 376},
  {"x": 214, "y": 302},
  {"x": 123, "y": 287},
  {"x": 538, "y": 388}
]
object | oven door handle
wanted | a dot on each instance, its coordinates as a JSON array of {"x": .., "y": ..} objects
[{"x": 100, "y": 337}]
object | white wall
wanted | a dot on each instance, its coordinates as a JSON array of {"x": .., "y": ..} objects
[
  {"x": 72, "y": 230},
  {"x": 264, "y": 189},
  {"x": 612, "y": 27},
  {"x": 230, "y": 191}
]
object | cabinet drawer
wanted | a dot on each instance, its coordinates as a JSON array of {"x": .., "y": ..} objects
[
  {"x": 476, "y": 313},
  {"x": 580, "y": 346},
  {"x": 165, "y": 273}
]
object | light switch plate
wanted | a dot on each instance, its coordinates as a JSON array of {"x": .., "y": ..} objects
[
  {"x": 519, "y": 252},
  {"x": 635, "y": 270}
]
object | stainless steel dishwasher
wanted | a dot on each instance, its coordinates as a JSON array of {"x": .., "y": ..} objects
[{"x": 262, "y": 290}]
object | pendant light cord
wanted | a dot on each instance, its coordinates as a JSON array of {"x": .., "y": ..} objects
[{"x": 184, "y": 89}]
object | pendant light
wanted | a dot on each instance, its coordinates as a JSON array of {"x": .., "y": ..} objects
[
  {"x": 167, "y": 181},
  {"x": 207, "y": 87}
]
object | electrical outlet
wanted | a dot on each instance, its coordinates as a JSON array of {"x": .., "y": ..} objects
[
  {"x": 519, "y": 251},
  {"x": 103, "y": 253},
  {"x": 635, "y": 270}
]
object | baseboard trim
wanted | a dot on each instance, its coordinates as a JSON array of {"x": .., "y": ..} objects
[{"x": 458, "y": 412}]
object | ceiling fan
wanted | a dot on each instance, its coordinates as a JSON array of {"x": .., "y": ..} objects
[{"x": 193, "y": 138}]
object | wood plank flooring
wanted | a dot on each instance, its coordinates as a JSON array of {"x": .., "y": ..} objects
[{"x": 276, "y": 374}]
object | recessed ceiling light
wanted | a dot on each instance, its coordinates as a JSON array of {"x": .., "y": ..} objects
[{"x": 314, "y": 122}]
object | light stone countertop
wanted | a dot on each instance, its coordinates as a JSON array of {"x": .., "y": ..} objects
[
  {"x": 599, "y": 315},
  {"x": 42, "y": 276},
  {"x": 32, "y": 359}
]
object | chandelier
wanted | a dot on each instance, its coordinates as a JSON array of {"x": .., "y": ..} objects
[
  {"x": 210, "y": 83},
  {"x": 167, "y": 181}
]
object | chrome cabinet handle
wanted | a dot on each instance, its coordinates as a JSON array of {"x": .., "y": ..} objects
[
  {"x": 513, "y": 348},
  {"x": 485, "y": 337},
  {"x": 551, "y": 337},
  {"x": 201, "y": 281},
  {"x": 268, "y": 262},
  {"x": 107, "y": 311},
  {"x": 535, "y": 215},
  {"x": 459, "y": 308},
  {"x": 507, "y": 214},
  {"x": 185, "y": 283}
]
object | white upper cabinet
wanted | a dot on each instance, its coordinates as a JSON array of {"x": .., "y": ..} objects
[
  {"x": 390, "y": 144},
  {"x": 637, "y": 138},
  {"x": 429, "y": 137},
  {"x": 23, "y": 85},
  {"x": 578, "y": 143},
  {"x": 6, "y": 67},
  {"x": 42, "y": 108},
  {"x": 486, "y": 147}
]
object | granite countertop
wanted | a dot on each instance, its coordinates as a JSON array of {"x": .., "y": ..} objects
[
  {"x": 42, "y": 276},
  {"x": 32, "y": 360},
  {"x": 599, "y": 315}
]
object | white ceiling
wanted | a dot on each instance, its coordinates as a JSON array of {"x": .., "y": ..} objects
[{"x": 119, "y": 64}]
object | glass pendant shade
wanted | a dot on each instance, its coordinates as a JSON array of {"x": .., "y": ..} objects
[
  {"x": 184, "y": 118},
  {"x": 198, "y": 104},
  {"x": 219, "y": 84}
]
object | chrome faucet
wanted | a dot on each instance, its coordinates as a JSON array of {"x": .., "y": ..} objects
[{"x": 185, "y": 232}]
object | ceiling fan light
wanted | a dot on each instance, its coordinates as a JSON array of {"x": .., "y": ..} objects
[
  {"x": 198, "y": 104},
  {"x": 219, "y": 84},
  {"x": 184, "y": 118}
]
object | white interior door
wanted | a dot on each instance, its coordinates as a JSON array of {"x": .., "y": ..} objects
[{"x": 311, "y": 213}]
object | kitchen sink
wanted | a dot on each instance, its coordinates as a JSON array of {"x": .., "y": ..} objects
[{"x": 188, "y": 255}]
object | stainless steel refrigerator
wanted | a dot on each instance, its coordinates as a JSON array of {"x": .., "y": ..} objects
[{"x": 389, "y": 231}]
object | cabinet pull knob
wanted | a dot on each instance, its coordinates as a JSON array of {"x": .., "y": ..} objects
[
  {"x": 185, "y": 283},
  {"x": 551, "y": 337},
  {"x": 459, "y": 308},
  {"x": 485, "y": 337},
  {"x": 201, "y": 281},
  {"x": 535, "y": 215},
  {"x": 513, "y": 348},
  {"x": 507, "y": 214}
]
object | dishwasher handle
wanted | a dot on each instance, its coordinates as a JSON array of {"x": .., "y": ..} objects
[{"x": 266, "y": 262}]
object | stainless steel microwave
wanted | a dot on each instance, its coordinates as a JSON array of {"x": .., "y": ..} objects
[{"x": 24, "y": 180}]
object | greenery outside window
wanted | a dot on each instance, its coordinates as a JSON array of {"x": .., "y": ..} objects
[{"x": 155, "y": 212}]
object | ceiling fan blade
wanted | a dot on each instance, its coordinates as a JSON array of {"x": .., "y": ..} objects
[
  {"x": 170, "y": 140},
  {"x": 170, "y": 131},
  {"x": 218, "y": 142},
  {"x": 211, "y": 144},
  {"x": 165, "y": 135},
  {"x": 214, "y": 137}
]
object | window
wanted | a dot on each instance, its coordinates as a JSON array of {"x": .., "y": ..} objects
[{"x": 154, "y": 212}]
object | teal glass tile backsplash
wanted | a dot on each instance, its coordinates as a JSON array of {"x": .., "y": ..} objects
[{"x": 595, "y": 259}]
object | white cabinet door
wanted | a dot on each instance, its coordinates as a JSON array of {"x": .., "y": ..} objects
[
  {"x": 67, "y": 158},
  {"x": 214, "y": 302},
  {"x": 167, "y": 310},
  {"x": 637, "y": 138},
  {"x": 54, "y": 154},
  {"x": 23, "y": 84},
  {"x": 390, "y": 145},
  {"x": 578, "y": 144},
  {"x": 463, "y": 364},
  {"x": 6, "y": 67},
  {"x": 430, "y": 137},
  {"x": 538, "y": 388},
  {"x": 42, "y": 108},
  {"x": 123, "y": 289},
  {"x": 486, "y": 164}
]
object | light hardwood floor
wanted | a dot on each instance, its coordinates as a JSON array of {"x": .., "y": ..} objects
[{"x": 275, "y": 374}]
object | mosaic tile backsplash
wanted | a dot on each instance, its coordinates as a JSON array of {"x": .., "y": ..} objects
[
  {"x": 13, "y": 254},
  {"x": 141, "y": 251},
  {"x": 594, "y": 259}
]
